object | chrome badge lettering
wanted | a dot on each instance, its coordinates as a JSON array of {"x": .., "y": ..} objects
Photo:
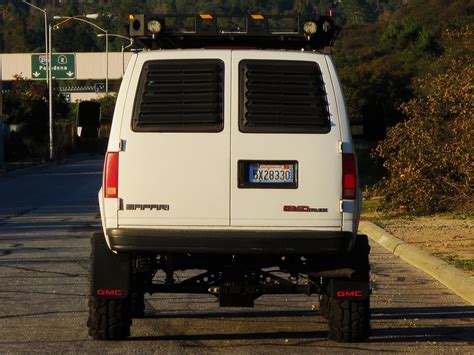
[
  {"x": 143, "y": 207},
  {"x": 291, "y": 208}
]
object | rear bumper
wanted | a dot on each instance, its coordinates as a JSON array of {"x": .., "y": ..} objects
[{"x": 304, "y": 242}]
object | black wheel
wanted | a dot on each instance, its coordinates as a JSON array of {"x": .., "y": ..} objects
[
  {"x": 109, "y": 319},
  {"x": 349, "y": 321}
]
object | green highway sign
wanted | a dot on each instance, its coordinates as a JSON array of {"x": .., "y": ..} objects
[{"x": 63, "y": 66}]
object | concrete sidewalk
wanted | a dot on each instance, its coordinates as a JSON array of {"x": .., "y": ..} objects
[{"x": 456, "y": 280}]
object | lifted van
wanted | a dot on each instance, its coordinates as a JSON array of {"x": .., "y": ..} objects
[{"x": 231, "y": 153}]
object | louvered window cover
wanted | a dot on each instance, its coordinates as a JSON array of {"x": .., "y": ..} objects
[
  {"x": 279, "y": 96},
  {"x": 180, "y": 96}
]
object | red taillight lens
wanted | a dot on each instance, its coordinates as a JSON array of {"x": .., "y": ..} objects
[
  {"x": 349, "y": 177},
  {"x": 110, "y": 184}
]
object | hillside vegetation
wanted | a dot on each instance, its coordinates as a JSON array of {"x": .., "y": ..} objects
[{"x": 415, "y": 66}]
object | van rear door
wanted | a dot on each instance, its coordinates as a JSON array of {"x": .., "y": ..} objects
[
  {"x": 174, "y": 162},
  {"x": 286, "y": 162}
]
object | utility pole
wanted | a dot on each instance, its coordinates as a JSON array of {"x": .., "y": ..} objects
[
  {"x": 47, "y": 49},
  {"x": 50, "y": 96}
]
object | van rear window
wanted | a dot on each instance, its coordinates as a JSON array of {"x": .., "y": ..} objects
[
  {"x": 279, "y": 96},
  {"x": 180, "y": 96}
]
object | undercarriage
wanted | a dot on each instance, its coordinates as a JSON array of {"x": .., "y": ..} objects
[{"x": 235, "y": 280}]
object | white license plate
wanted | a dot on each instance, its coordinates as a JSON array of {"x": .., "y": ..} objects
[{"x": 271, "y": 173}]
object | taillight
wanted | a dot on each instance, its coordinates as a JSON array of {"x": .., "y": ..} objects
[
  {"x": 349, "y": 177},
  {"x": 110, "y": 184}
]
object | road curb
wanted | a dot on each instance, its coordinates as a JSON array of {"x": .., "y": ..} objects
[{"x": 456, "y": 280}]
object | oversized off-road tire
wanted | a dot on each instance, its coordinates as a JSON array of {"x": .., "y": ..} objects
[
  {"x": 109, "y": 319},
  {"x": 349, "y": 321}
]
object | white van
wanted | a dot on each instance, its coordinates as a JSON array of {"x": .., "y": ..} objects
[{"x": 230, "y": 160}]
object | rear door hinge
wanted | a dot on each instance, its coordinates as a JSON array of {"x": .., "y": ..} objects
[
  {"x": 121, "y": 145},
  {"x": 341, "y": 205},
  {"x": 339, "y": 147}
]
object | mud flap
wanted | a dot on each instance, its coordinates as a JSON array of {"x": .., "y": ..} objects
[
  {"x": 110, "y": 272},
  {"x": 348, "y": 290}
]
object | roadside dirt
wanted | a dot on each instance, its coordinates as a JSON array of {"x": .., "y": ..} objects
[{"x": 447, "y": 237}]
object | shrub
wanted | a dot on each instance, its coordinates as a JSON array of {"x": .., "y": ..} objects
[{"x": 429, "y": 157}]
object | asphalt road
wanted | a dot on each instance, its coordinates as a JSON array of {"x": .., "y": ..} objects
[{"x": 46, "y": 219}]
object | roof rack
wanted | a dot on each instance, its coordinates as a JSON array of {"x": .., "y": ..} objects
[{"x": 250, "y": 31}]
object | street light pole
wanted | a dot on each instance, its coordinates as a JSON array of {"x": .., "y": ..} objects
[
  {"x": 50, "y": 95},
  {"x": 47, "y": 49},
  {"x": 45, "y": 30},
  {"x": 92, "y": 16},
  {"x": 123, "y": 48},
  {"x": 107, "y": 63}
]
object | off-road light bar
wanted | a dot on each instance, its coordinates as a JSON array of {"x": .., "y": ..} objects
[{"x": 250, "y": 31}]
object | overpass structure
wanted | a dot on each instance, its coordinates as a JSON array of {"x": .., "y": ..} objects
[{"x": 88, "y": 66}]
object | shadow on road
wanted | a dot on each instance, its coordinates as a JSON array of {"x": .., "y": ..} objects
[
  {"x": 402, "y": 313},
  {"x": 421, "y": 331},
  {"x": 237, "y": 336},
  {"x": 436, "y": 334},
  {"x": 222, "y": 315}
]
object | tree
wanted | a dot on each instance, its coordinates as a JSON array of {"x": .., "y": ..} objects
[
  {"x": 357, "y": 11},
  {"x": 14, "y": 28},
  {"x": 26, "y": 106}
]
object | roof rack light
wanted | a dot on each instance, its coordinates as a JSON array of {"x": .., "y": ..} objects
[
  {"x": 310, "y": 28},
  {"x": 154, "y": 26},
  {"x": 136, "y": 25}
]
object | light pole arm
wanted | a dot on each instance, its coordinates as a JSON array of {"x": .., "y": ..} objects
[
  {"x": 78, "y": 18},
  {"x": 130, "y": 44},
  {"x": 123, "y": 48},
  {"x": 34, "y": 6},
  {"x": 90, "y": 23},
  {"x": 119, "y": 36}
]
